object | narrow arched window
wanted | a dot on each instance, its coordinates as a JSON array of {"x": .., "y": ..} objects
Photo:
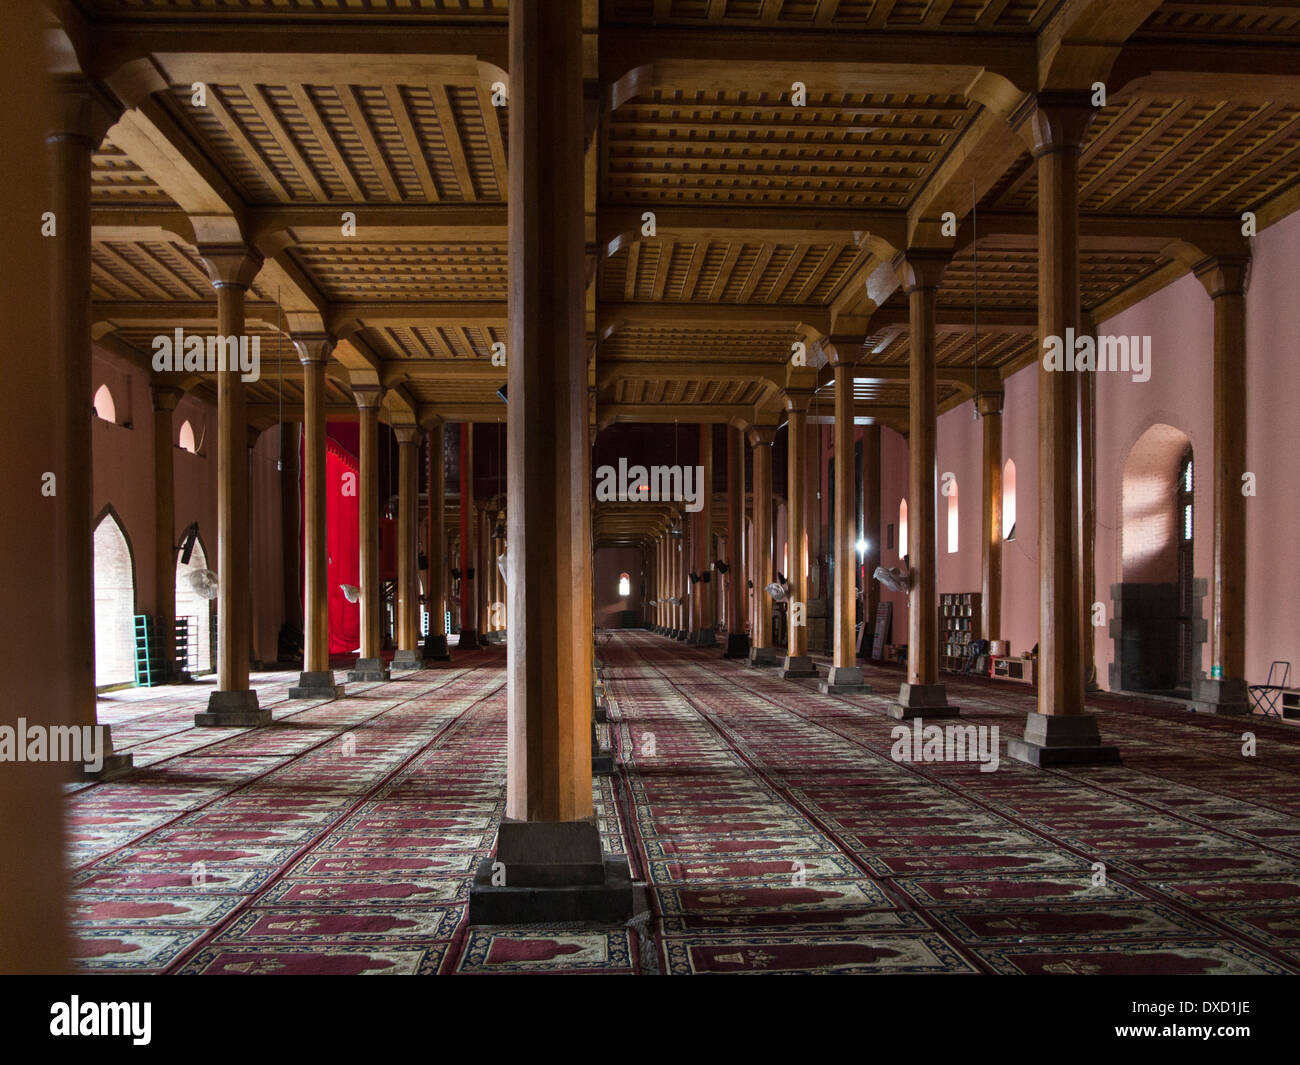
[
  {"x": 104, "y": 406},
  {"x": 1009, "y": 500},
  {"x": 902, "y": 528},
  {"x": 952, "y": 517},
  {"x": 187, "y": 438},
  {"x": 624, "y": 584}
]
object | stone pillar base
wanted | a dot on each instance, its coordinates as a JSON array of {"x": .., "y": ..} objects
[
  {"x": 844, "y": 680},
  {"x": 435, "y": 649},
  {"x": 1062, "y": 739},
  {"x": 600, "y": 711},
  {"x": 112, "y": 764},
  {"x": 406, "y": 660},
  {"x": 368, "y": 670},
  {"x": 685, "y": 636},
  {"x": 1227, "y": 696},
  {"x": 549, "y": 872},
  {"x": 799, "y": 666},
  {"x": 232, "y": 710},
  {"x": 496, "y": 637},
  {"x": 468, "y": 640},
  {"x": 737, "y": 645},
  {"x": 762, "y": 657},
  {"x": 316, "y": 685},
  {"x": 705, "y": 638},
  {"x": 603, "y": 762},
  {"x": 922, "y": 700}
]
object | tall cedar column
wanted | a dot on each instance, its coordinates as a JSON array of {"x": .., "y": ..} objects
[
  {"x": 922, "y": 695},
  {"x": 704, "y": 540},
  {"x": 70, "y": 141},
  {"x": 989, "y": 405},
  {"x": 316, "y": 680},
  {"x": 797, "y": 663},
  {"x": 737, "y": 639},
  {"x": 844, "y": 676},
  {"x": 1086, "y": 511},
  {"x": 1223, "y": 690},
  {"x": 1059, "y": 732},
  {"x": 550, "y": 843},
  {"x": 164, "y": 493},
  {"x": 370, "y": 665},
  {"x": 685, "y": 545},
  {"x": 231, "y": 269},
  {"x": 469, "y": 620},
  {"x": 762, "y": 653},
  {"x": 435, "y": 642},
  {"x": 408, "y": 504},
  {"x": 290, "y": 516},
  {"x": 871, "y": 528}
]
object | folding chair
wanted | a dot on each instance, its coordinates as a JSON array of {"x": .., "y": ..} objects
[{"x": 1267, "y": 695}]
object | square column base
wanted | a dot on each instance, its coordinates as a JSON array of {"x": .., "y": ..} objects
[
  {"x": 468, "y": 640},
  {"x": 762, "y": 657},
  {"x": 550, "y": 871},
  {"x": 232, "y": 710},
  {"x": 737, "y": 645},
  {"x": 368, "y": 670},
  {"x": 844, "y": 680},
  {"x": 112, "y": 764},
  {"x": 799, "y": 666},
  {"x": 1062, "y": 739},
  {"x": 705, "y": 638},
  {"x": 685, "y": 636},
  {"x": 922, "y": 700},
  {"x": 1227, "y": 696},
  {"x": 603, "y": 762},
  {"x": 435, "y": 649},
  {"x": 406, "y": 660},
  {"x": 600, "y": 711},
  {"x": 319, "y": 684}
]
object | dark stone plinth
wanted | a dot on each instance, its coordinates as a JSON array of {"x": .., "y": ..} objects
[
  {"x": 606, "y": 903},
  {"x": 603, "y": 762},
  {"x": 684, "y": 635},
  {"x": 922, "y": 700},
  {"x": 318, "y": 684},
  {"x": 497, "y": 636},
  {"x": 1062, "y": 739},
  {"x": 468, "y": 640},
  {"x": 737, "y": 645},
  {"x": 112, "y": 767},
  {"x": 799, "y": 666},
  {"x": 406, "y": 660},
  {"x": 844, "y": 680},
  {"x": 368, "y": 670},
  {"x": 705, "y": 638},
  {"x": 1227, "y": 696},
  {"x": 600, "y": 711},
  {"x": 762, "y": 657},
  {"x": 232, "y": 710},
  {"x": 436, "y": 649}
]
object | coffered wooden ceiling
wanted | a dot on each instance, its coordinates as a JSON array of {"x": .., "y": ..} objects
[{"x": 777, "y": 219}]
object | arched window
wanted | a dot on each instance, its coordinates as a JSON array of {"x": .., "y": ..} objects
[
  {"x": 624, "y": 584},
  {"x": 952, "y": 517},
  {"x": 1009, "y": 500},
  {"x": 104, "y": 406},
  {"x": 187, "y": 438},
  {"x": 902, "y": 528},
  {"x": 114, "y": 576}
]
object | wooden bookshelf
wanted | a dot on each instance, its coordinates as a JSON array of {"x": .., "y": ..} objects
[
  {"x": 1021, "y": 669},
  {"x": 959, "y": 627}
]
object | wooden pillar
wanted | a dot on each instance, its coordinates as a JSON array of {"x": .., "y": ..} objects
[
  {"x": 737, "y": 638},
  {"x": 704, "y": 541},
  {"x": 435, "y": 642},
  {"x": 370, "y": 665},
  {"x": 870, "y": 558},
  {"x": 762, "y": 653},
  {"x": 989, "y": 405},
  {"x": 408, "y": 595},
  {"x": 164, "y": 494},
  {"x": 469, "y": 620},
  {"x": 845, "y": 677},
  {"x": 1223, "y": 690},
  {"x": 290, "y": 519},
  {"x": 922, "y": 695},
  {"x": 797, "y": 663},
  {"x": 550, "y": 842},
  {"x": 1059, "y": 732},
  {"x": 316, "y": 680},
  {"x": 231, "y": 268},
  {"x": 1086, "y": 511}
]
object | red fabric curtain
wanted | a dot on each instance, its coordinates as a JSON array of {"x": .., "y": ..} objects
[{"x": 342, "y": 518}]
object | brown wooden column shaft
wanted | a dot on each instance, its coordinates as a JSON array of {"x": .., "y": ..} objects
[
  {"x": 164, "y": 491},
  {"x": 796, "y": 423},
  {"x": 989, "y": 405},
  {"x": 844, "y": 648},
  {"x": 704, "y": 537},
  {"x": 737, "y": 640},
  {"x": 313, "y": 353},
  {"x": 761, "y": 652},
  {"x": 408, "y": 600},
  {"x": 435, "y": 644},
  {"x": 870, "y": 558},
  {"x": 368, "y": 400},
  {"x": 469, "y": 620}
]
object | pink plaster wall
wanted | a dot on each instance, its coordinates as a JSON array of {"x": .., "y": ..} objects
[
  {"x": 959, "y": 451},
  {"x": 893, "y": 489},
  {"x": 1020, "y": 556}
]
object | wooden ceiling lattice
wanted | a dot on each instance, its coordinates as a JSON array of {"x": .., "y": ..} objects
[
  {"x": 1018, "y": 16},
  {"x": 116, "y": 181},
  {"x": 407, "y": 271},
  {"x": 438, "y": 10}
]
